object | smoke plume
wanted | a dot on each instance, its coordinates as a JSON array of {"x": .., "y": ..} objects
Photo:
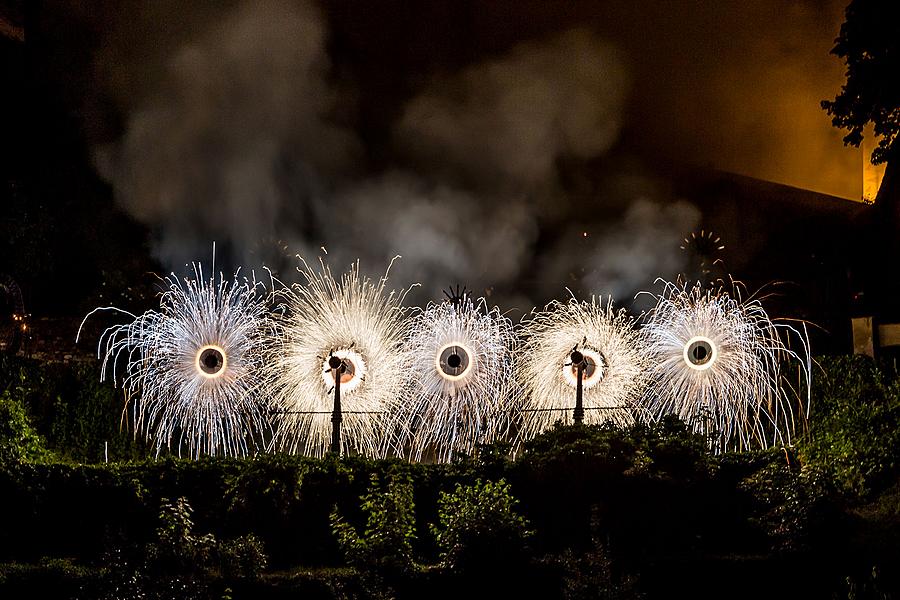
[
  {"x": 237, "y": 138},
  {"x": 236, "y": 142}
]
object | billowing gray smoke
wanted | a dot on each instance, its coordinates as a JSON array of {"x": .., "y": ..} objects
[
  {"x": 237, "y": 143},
  {"x": 508, "y": 120}
]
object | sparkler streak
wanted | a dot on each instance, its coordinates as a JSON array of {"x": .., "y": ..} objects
[
  {"x": 716, "y": 364},
  {"x": 192, "y": 368},
  {"x": 354, "y": 319},
  {"x": 613, "y": 381}
]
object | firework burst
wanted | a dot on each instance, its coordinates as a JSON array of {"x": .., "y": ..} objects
[
  {"x": 355, "y": 320},
  {"x": 716, "y": 364},
  {"x": 614, "y": 375},
  {"x": 461, "y": 379},
  {"x": 192, "y": 367}
]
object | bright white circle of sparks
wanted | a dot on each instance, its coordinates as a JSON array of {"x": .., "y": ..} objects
[
  {"x": 605, "y": 336},
  {"x": 716, "y": 364},
  {"x": 592, "y": 373},
  {"x": 461, "y": 380},
  {"x": 211, "y": 369},
  {"x": 357, "y": 320},
  {"x": 354, "y": 370},
  {"x": 465, "y": 357},
  {"x": 196, "y": 368},
  {"x": 700, "y": 353}
]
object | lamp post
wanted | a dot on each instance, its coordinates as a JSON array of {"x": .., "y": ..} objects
[
  {"x": 578, "y": 361},
  {"x": 337, "y": 367}
]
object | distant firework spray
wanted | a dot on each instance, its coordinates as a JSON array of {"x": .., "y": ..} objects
[
  {"x": 615, "y": 364},
  {"x": 193, "y": 367},
  {"x": 462, "y": 382},
  {"x": 716, "y": 363},
  {"x": 357, "y": 321}
]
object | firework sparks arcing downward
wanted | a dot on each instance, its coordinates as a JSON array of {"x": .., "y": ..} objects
[
  {"x": 462, "y": 379},
  {"x": 193, "y": 366},
  {"x": 614, "y": 364},
  {"x": 716, "y": 365},
  {"x": 352, "y": 319}
]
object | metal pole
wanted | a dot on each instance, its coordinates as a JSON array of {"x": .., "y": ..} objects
[
  {"x": 578, "y": 360},
  {"x": 337, "y": 367}
]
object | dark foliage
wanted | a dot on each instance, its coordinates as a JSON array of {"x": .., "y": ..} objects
[
  {"x": 79, "y": 417},
  {"x": 869, "y": 44},
  {"x": 855, "y": 424}
]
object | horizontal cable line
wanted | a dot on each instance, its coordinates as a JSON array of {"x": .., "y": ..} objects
[{"x": 362, "y": 412}]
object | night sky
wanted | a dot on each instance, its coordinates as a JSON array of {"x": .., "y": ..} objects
[{"x": 468, "y": 137}]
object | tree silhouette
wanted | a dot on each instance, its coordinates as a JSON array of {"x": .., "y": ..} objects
[{"x": 869, "y": 44}]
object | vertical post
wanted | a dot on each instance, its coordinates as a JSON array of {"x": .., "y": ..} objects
[
  {"x": 337, "y": 367},
  {"x": 106, "y": 452},
  {"x": 578, "y": 360}
]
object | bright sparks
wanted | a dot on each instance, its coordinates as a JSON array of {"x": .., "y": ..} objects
[
  {"x": 356, "y": 320},
  {"x": 716, "y": 364},
  {"x": 193, "y": 367},
  {"x": 462, "y": 380},
  {"x": 615, "y": 364}
]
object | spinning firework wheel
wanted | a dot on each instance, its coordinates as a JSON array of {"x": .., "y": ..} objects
[
  {"x": 462, "y": 385},
  {"x": 716, "y": 363},
  {"x": 356, "y": 322},
  {"x": 591, "y": 336},
  {"x": 12, "y": 316},
  {"x": 704, "y": 251},
  {"x": 194, "y": 368}
]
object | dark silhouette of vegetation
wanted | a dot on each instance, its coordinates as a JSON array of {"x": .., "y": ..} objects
[
  {"x": 383, "y": 553},
  {"x": 479, "y": 529},
  {"x": 869, "y": 44},
  {"x": 588, "y": 511}
]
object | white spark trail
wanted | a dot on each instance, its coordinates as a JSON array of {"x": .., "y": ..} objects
[
  {"x": 716, "y": 364},
  {"x": 614, "y": 380},
  {"x": 357, "y": 320},
  {"x": 462, "y": 384}
]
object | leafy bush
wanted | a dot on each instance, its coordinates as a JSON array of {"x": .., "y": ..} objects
[
  {"x": 479, "y": 527},
  {"x": 795, "y": 506},
  {"x": 179, "y": 563},
  {"x": 18, "y": 439},
  {"x": 75, "y": 413},
  {"x": 855, "y": 424},
  {"x": 386, "y": 544}
]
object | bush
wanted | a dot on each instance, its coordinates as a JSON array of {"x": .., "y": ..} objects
[
  {"x": 479, "y": 528},
  {"x": 180, "y": 564},
  {"x": 855, "y": 424},
  {"x": 18, "y": 439},
  {"x": 74, "y": 412},
  {"x": 797, "y": 507},
  {"x": 386, "y": 545}
]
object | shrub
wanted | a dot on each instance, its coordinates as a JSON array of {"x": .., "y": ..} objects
[
  {"x": 386, "y": 544},
  {"x": 797, "y": 508},
  {"x": 179, "y": 563},
  {"x": 479, "y": 527},
  {"x": 18, "y": 439},
  {"x": 855, "y": 424}
]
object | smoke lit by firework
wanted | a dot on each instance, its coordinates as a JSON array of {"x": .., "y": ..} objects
[
  {"x": 354, "y": 319},
  {"x": 193, "y": 367},
  {"x": 616, "y": 364},
  {"x": 462, "y": 379},
  {"x": 716, "y": 364}
]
